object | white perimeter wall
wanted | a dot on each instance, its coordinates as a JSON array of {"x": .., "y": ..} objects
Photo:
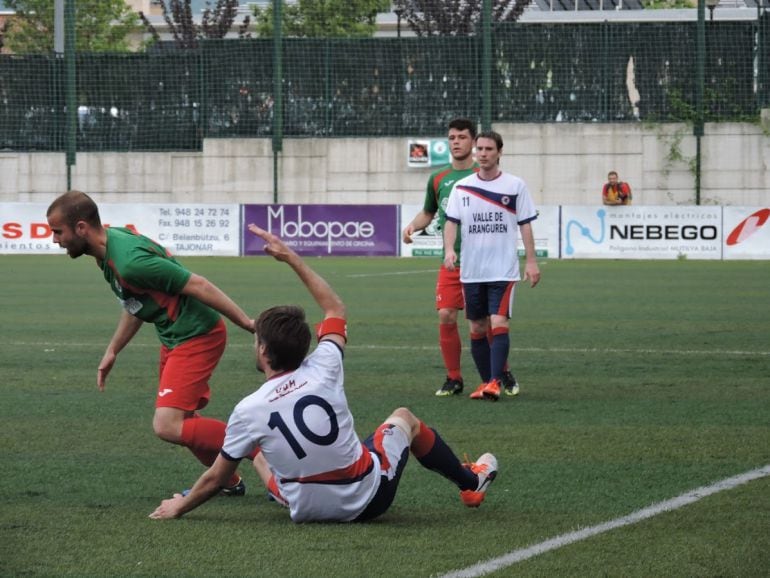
[{"x": 564, "y": 164}]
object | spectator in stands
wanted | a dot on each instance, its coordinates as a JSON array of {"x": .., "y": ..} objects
[{"x": 615, "y": 191}]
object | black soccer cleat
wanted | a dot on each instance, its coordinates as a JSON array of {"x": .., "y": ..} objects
[
  {"x": 450, "y": 387},
  {"x": 510, "y": 385}
]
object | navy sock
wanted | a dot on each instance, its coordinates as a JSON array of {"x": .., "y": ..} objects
[
  {"x": 480, "y": 352},
  {"x": 434, "y": 454},
  {"x": 501, "y": 345}
]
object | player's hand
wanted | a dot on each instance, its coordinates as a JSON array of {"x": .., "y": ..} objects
[
  {"x": 168, "y": 509},
  {"x": 450, "y": 258},
  {"x": 532, "y": 273},
  {"x": 407, "y": 234},
  {"x": 105, "y": 365},
  {"x": 273, "y": 244}
]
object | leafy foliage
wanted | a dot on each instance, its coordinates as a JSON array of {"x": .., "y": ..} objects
[
  {"x": 100, "y": 26},
  {"x": 323, "y": 18},
  {"x": 455, "y": 17},
  {"x": 215, "y": 23}
]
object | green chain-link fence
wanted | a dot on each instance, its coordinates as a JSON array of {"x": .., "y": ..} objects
[{"x": 171, "y": 99}]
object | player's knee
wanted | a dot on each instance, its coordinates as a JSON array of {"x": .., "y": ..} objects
[
  {"x": 167, "y": 430},
  {"x": 498, "y": 321},
  {"x": 447, "y": 316},
  {"x": 408, "y": 419}
]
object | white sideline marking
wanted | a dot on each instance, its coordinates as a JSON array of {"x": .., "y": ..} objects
[
  {"x": 600, "y": 350},
  {"x": 597, "y": 350},
  {"x": 570, "y": 538},
  {"x": 357, "y": 275}
]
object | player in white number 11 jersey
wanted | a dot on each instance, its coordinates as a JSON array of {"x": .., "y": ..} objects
[
  {"x": 490, "y": 208},
  {"x": 312, "y": 461}
]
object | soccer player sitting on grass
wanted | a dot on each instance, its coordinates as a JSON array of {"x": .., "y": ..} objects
[{"x": 312, "y": 460}]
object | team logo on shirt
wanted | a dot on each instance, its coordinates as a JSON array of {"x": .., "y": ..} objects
[
  {"x": 505, "y": 200},
  {"x": 287, "y": 388},
  {"x": 131, "y": 305}
]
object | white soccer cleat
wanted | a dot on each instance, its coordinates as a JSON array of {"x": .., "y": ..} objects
[{"x": 486, "y": 469}]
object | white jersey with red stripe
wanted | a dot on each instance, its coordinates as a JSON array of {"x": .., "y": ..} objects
[
  {"x": 302, "y": 422},
  {"x": 489, "y": 214}
]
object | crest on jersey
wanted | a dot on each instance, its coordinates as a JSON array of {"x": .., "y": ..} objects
[
  {"x": 132, "y": 305},
  {"x": 505, "y": 200}
]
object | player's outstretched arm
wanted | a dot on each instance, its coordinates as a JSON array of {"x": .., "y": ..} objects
[
  {"x": 322, "y": 292},
  {"x": 207, "y": 486}
]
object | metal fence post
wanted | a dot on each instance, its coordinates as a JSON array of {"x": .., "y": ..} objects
[
  {"x": 277, "y": 92},
  {"x": 700, "y": 79},
  {"x": 486, "y": 66},
  {"x": 71, "y": 95}
]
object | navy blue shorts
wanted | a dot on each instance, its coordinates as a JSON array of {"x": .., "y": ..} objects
[{"x": 489, "y": 298}]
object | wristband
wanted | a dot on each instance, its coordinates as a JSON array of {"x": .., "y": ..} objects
[{"x": 332, "y": 325}]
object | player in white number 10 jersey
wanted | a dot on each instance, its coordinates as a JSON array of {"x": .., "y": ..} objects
[{"x": 312, "y": 461}]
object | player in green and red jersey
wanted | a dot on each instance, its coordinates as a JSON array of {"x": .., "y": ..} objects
[
  {"x": 449, "y": 294},
  {"x": 185, "y": 308},
  {"x": 449, "y": 291}
]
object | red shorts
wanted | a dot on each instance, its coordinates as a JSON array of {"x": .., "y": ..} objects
[
  {"x": 185, "y": 370},
  {"x": 449, "y": 290}
]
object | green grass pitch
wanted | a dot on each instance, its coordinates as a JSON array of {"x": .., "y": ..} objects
[{"x": 640, "y": 381}]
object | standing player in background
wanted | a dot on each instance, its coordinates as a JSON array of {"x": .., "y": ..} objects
[
  {"x": 184, "y": 307},
  {"x": 491, "y": 207},
  {"x": 449, "y": 293},
  {"x": 312, "y": 460}
]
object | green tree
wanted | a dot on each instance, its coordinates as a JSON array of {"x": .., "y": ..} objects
[
  {"x": 100, "y": 26},
  {"x": 323, "y": 18},
  {"x": 216, "y": 22},
  {"x": 455, "y": 17}
]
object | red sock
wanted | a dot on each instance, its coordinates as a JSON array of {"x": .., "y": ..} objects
[
  {"x": 423, "y": 441},
  {"x": 451, "y": 349},
  {"x": 204, "y": 437}
]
